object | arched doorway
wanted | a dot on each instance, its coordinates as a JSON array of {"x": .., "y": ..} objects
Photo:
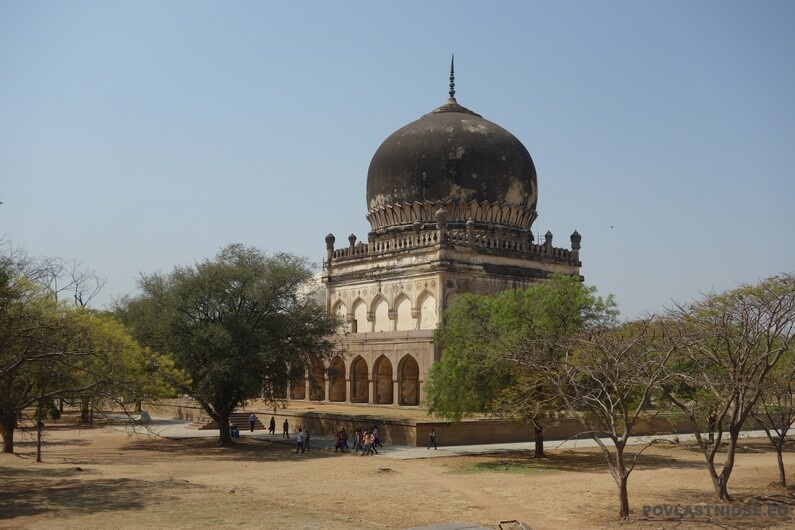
[
  {"x": 317, "y": 383},
  {"x": 336, "y": 377},
  {"x": 342, "y": 314},
  {"x": 403, "y": 320},
  {"x": 381, "y": 314},
  {"x": 360, "y": 391},
  {"x": 383, "y": 382},
  {"x": 428, "y": 313},
  {"x": 359, "y": 324},
  {"x": 409, "y": 377},
  {"x": 298, "y": 388}
]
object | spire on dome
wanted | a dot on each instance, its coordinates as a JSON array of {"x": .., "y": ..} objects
[{"x": 452, "y": 78}]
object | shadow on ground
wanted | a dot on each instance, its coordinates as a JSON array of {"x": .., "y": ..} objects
[
  {"x": 244, "y": 449},
  {"x": 579, "y": 461},
  {"x": 70, "y": 492}
]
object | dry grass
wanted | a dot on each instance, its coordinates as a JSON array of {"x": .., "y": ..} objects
[{"x": 105, "y": 478}]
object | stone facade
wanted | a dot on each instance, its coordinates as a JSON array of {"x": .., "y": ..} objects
[
  {"x": 451, "y": 201},
  {"x": 392, "y": 291}
]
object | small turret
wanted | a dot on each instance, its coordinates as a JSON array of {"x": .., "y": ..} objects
[
  {"x": 575, "y": 245},
  {"x": 330, "y": 248},
  {"x": 441, "y": 223}
]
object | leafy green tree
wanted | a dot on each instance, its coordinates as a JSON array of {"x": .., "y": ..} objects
[
  {"x": 51, "y": 350},
  {"x": 484, "y": 338},
  {"x": 239, "y": 325},
  {"x": 730, "y": 343}
]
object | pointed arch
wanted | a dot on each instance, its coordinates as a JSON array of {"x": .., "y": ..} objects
[
  {"x": 336, "y": 376},
  {"x": 360, "y": 381},
  {"x": 403, "y": 320},
  {"x": 381, "y": 314},
  {"x": 383, "y": 377},
  {"x": 359, "y": 324},
  {"x": 317, "y": 383},
  {"x": 341, "y": 312},
  {"x": 429, "y": 315},
  {"x": 298, "y": 384},
  {"x": 409, "y": 379}
]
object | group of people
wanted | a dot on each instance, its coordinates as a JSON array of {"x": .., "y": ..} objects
[
  {"x": 365, "y": 440},
  {"x": 341, "y": 441},
  {"x": 252, "y": 422}
]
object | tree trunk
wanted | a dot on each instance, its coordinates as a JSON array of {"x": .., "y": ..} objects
[
  {"x": 620, "y": 475},
  {"x": 623, "y": 495},
  {"x": 8, "y": 422},
  {"x": 225, "y": 436},
  {"x": 539, "y": 440},
  {"x": 39, "y": 426},
  {"x": 721, "y": 489},
  {"x": 711, "y": 424},
  {"x": 782, "y": 477},
  {"x": 728, "y": 466},
  {"x": 84, "y": 410}
]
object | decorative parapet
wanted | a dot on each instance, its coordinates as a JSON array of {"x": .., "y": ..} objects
[
  {"x": 497, "y": 242},
  {"x": 386, "y": 245},
  {"x": 485, "y": 212}
]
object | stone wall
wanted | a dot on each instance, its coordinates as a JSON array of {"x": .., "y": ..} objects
[{"x": 415, "y": 432}]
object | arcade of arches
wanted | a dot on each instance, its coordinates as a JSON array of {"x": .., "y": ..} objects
[
  {"x": 379, "y": 317},
  {"x": 380, "y": 383}
]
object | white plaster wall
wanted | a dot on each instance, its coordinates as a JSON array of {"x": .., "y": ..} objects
[
  {"x": 360, "y": 315},
  {"x": 381, "y": 313},
  {"x": 403, "y": 313},
  {"x": 429, "y": 315},
  {"x": 342, "y": 313}
]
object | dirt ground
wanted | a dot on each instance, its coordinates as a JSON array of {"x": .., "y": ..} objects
[{"x": 108, "y": 478}]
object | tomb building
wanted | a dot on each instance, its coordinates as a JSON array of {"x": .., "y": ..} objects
[{"x": 451, "y": 201}]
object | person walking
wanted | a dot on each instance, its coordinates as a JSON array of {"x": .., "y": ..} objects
[
  {"x": 372, "y": 444},
  {"x": 299, "y": 441},
  {"x": 338, "y": 443},
  {"x": 252, "y": 420},
  {"x": 365, "y": 443},
  {"x": 286, "y": 429},
  {"x": 432, "y": 439},
  {"x": 272, "y": 426},
  {"x": 376, "y": 437}
]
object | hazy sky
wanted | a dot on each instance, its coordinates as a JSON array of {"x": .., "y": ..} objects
[{"x": 135, "y": 136}]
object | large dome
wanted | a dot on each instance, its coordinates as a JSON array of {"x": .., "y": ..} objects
[{"x": 454, "y": 159}]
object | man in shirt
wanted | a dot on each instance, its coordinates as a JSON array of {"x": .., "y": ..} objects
[{"x": 299, "y": 441}]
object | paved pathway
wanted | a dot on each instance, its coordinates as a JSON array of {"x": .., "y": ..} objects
[{"x": 177, "y": 429}]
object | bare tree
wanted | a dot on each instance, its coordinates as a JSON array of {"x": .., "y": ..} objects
[
  {"x": 605, "y": 379},
  {"x": 64, "y": 277},
  {"x": 775, "y": 410},
  {"x": 730, "y": 343}
]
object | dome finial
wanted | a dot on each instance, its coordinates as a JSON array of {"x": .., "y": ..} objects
[{"x": 452, "y": 78}]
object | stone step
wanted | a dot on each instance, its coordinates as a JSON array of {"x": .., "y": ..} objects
[{"x": 240, "y": 419}]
